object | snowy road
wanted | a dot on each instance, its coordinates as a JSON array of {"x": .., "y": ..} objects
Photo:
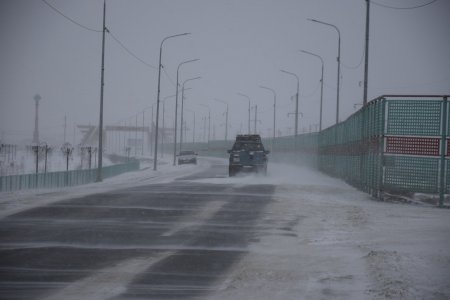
[{"x": 192, "y": 232}]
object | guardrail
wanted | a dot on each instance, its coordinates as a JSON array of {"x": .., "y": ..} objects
[{"x": 63, "y": 178}]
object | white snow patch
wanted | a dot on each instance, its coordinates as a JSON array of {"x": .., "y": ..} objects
[{"x": 323, "y": 239}]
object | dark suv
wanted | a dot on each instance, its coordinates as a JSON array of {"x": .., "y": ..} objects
[{"x": 247, "y": 155}]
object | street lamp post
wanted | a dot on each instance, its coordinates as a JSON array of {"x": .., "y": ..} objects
[
  {"x": 176, "y": 109},
  {"x": 256, "y": 118},
  {"x": 157, "y": 97},
  {"x": 193, "y": 130},
  {"x": 338, "y": 61},
  {"x": 296, "y": 101},
  {"x": 209, "y": 122},
  {"x": 36, "y": 150},
  {"x": 182, "y": 108},
  {"x": 274, "y": 109},
  {"x": 46, "y": 148},
  {"x": 321, "y": 86},
  {"x": 135, "y": 135},
  {"x": 143, "y": 132},
  {"x": 226, "y": 118},
  {"x": 193, "y": 126},
  {"x": 163, "y": 122},
  {"x": 248, "y": 98},
  {"x": 143, "y": 127}
]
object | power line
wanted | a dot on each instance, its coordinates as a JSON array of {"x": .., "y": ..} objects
[
  {"x": 411, "y": 7},
  {"x": 70, "y": 19},
  {"x": 129, "y": 52},
  {"x": 170, "y": 79},
  {"x": 354, "y": 67},
  {"x": 313, "y": 92},
  {"x": 94, "y": 30}
]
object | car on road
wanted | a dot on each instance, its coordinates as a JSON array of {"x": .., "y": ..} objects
[
  {"x": 187, "y": 157},
  {"x": 247, "y": 155}
]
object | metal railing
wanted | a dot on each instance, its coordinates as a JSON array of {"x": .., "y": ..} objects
[{"x": 63, "y": 178}]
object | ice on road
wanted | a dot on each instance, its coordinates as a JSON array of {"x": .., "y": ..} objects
[
  {"x": 323, "y": 239},
  {"x": 318, "y": 239}
]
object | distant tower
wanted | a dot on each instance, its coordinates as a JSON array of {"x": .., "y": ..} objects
[{"x": 37, "y": 97}]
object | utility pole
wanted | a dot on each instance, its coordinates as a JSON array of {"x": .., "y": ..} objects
[
  {"x": 256, "y": 116},
  {"x": 135, "y": 136},
  {"x": 163, "y": 133},
  {"x": 193, "y": 131},
  {"x": 209, "y": 127},
  {"x": 155, "y": 160},
  {"x": 226, "y": 118},
  {"x": 204, "y": 129},
  {"x": 37, "y": 98},
  {"x": 182, "y": 109},
  {"x": 274, "y": 110},
  {"x": 100, "y": 126},
  {"x": 46, "y": 152},
  {"x": 143, "y": 132},
  {"x": 296, "y": 101},
  {"x": 151, "y": 130},
  {"x": 366, "y": 53},
  {"x": 248, "y": 98},
  {"x": 65, "y": 127},
  {"x": 74, "y": 133},
  {"x": 226, "y": 125}
]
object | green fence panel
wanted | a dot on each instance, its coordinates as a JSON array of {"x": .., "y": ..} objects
[
  {"x": 411, "y": 174},
  {"x": 414, "y": 117}
]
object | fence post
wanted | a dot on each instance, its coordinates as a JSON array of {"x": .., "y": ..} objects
[
  {"x": 381, "y": 137},
  {"x": 443, "y": 150}
]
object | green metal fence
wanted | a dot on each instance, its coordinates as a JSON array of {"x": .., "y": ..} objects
[
  {"x": 396, "y": 144},
  {"x": 62, "y": 179}
]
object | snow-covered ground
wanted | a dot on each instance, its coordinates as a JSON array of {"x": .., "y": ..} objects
[
  {"x": 319, "y": 239},
  {"x": 323, "y": 239}
]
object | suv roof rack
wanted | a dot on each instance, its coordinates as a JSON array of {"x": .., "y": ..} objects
[{"x": 249, "y": 137}]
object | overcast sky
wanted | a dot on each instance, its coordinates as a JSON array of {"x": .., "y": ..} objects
[{"x": 241, "y": 44}]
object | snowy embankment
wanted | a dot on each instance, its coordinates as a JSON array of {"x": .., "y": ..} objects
[
  {"x": 13, "y": 202},
  {"x": 323, "y": 239}
]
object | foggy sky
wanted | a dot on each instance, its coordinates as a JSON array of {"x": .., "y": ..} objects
[{"x": 240, "y": 44}]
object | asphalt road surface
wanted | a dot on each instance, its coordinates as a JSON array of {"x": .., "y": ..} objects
[{"x": 172, "y": 240}]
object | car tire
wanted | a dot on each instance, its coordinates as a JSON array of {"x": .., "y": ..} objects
[{"x": 231, "y": 172}]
